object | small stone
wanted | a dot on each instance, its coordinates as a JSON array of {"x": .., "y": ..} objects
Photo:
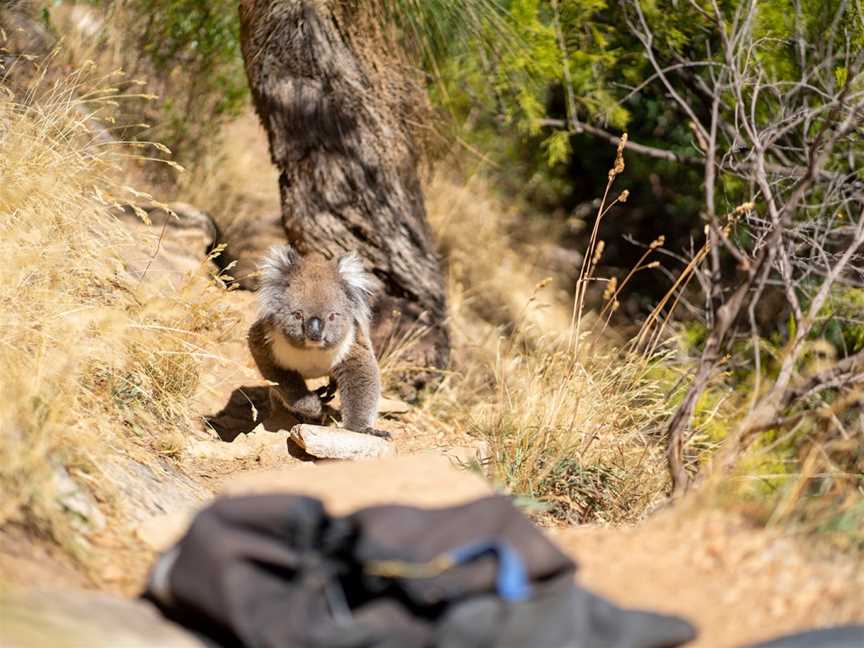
[
  {"x": 333, "y": 443},
  {"x": 393, "y": 406},
  {"x": 245, "y": 446},
  {"x": 237, "y": 449}
]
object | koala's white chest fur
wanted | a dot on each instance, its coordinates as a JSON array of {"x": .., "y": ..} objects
[{"x": 309, "y": 363}]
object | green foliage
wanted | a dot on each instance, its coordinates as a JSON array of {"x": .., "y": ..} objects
[
  {"x": 692, "y": 336},
  {"x": 846, "y": 523},
  {"x": 525, "y": 68},
  {"x": 708, "y": 416},
  {"x": 557, "y": 147},
  {"x": 841, "y": 322},
  {"x": 193, "y": 47},
  {"x": 186, "y": 56},
  {"x": 546, "y": 45},
  {"x": 577, "y": 492}
]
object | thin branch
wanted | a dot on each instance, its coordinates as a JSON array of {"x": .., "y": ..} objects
[{"x": 642, "y": 149}]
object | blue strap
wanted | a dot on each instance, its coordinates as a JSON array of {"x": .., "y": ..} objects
[{"x": 511, "y": 580}]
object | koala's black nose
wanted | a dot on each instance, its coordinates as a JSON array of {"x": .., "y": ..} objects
[{"x": 314, "y": 329}]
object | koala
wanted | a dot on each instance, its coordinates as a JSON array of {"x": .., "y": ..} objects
[{"x": 313, "y": 322}]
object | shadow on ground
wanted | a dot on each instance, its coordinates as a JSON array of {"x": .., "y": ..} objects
[{"x": 247, "y": 408}]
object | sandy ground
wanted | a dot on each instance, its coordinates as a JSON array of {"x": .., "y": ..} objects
[{"x": 738, "y": 584}]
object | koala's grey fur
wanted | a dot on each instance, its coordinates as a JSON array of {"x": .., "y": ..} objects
[{"x": 314, "y": 322}]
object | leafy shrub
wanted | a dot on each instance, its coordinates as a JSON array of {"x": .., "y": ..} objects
[
  {"x": 193, "y": 47},
  {"x": 184, "y": 53}
]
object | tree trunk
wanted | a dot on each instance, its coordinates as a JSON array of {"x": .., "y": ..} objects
[{"x": 336, "y": 109}]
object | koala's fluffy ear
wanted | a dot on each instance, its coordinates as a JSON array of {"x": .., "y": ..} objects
[
  {"x": 275, "y": 269},
  {"x": 360, "y": 284},
  {"x": 277, "y": 262}
]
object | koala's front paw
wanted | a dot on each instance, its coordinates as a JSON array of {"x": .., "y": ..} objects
[{"x": 308, "y": 406}]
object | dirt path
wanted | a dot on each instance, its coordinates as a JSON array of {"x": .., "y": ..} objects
[{"x": 737, "y": 583}]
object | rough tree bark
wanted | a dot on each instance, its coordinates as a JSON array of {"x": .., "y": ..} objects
[{"x": 336, "y": 111}]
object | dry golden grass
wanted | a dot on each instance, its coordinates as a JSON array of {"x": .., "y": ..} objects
[
  {"x": 575, "y": 417},
  {"x": 92, "y": 362},
  {"x": 568, "y": 416}
]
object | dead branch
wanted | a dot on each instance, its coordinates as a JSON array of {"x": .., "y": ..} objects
[{"x": 789, "y": 141}]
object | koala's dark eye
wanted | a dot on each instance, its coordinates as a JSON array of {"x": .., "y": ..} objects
[
  {"x": 298, "y": 315},
  {"x": 332, "y": 317}
]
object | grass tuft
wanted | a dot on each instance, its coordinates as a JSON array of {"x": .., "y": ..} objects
[
  {"x": 568, "y": 411},
  {"x": 93, "y": 363}
]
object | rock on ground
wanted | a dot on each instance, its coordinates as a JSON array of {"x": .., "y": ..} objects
[
  {"x": 149, "y": 490},
  {"x": 334, "y": 443},
  {"x": 88, "y": 516},
  {"x": 259, "y": 443}
]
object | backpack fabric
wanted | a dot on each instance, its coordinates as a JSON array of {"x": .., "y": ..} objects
[{"x": 276, "y": 571}]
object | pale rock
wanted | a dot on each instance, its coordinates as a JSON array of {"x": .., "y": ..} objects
[
  {"x": 246, "y": 446},
  {"x": 393, "y": 406},
  {"x": 87, "y": 515},
  {"x": 152, "y": 489},
  {"x": 334, "y": 443},
  {"x": 218, "y": 450}
]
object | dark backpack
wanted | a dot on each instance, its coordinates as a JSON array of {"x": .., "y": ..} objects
[{"x": 272, "y": 571}]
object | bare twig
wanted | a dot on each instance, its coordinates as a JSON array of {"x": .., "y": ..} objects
[
  {"x": 782, "y": 138},
  {"x": 661, "y": 154}
]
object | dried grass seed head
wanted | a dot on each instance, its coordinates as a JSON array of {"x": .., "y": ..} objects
[{"x": 618, "y": 167}]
